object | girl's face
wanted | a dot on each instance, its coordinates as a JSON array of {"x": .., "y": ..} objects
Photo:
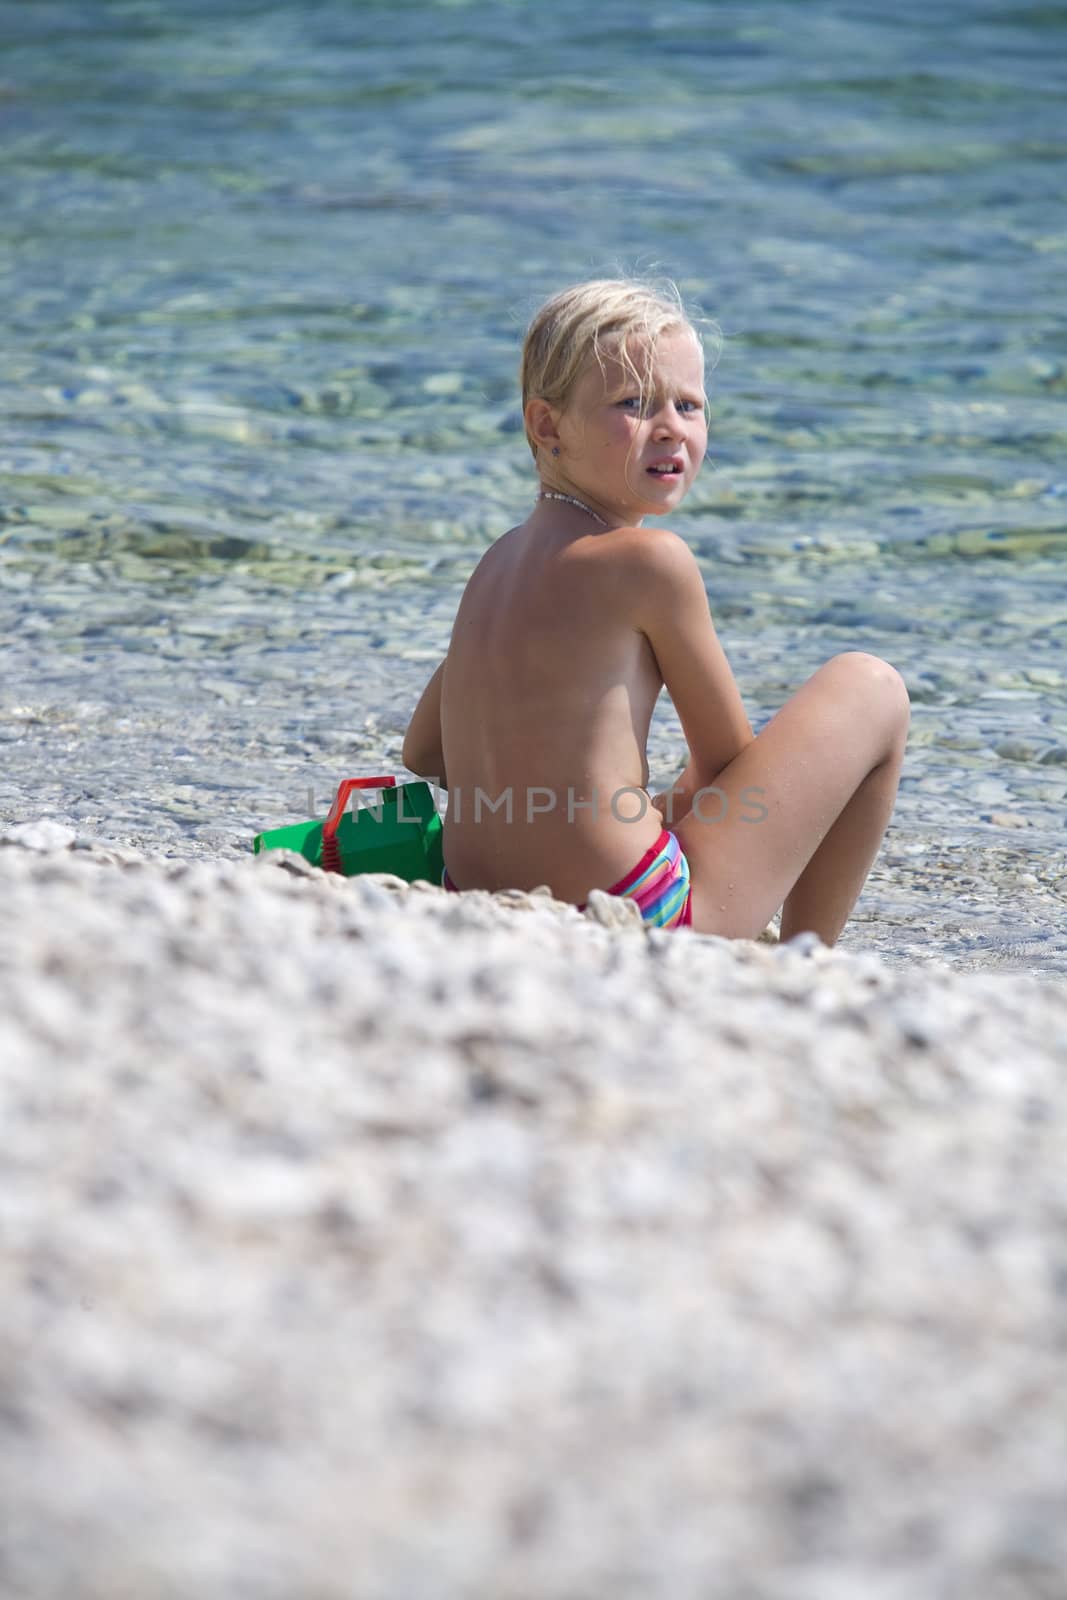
[{"x": 629, "y": 458}]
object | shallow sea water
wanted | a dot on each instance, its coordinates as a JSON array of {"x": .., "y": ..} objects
[{"x": 265, "y": 271}]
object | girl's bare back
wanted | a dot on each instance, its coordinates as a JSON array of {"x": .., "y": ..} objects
[{"x": 546, "y": 702}]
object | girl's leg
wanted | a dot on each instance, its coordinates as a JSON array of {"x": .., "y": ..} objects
[{"x": 796, "y": 819}]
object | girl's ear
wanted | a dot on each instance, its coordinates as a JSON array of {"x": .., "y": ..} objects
[{"x": 542, "y": 423}]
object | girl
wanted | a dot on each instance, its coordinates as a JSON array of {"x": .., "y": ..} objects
[{"x": 537, "y": 719}]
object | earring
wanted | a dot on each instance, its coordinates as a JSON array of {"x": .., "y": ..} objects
[{"x": 555, "y": 449}]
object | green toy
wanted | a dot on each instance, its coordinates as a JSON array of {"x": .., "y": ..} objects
[{"x": 401, "y": 834}]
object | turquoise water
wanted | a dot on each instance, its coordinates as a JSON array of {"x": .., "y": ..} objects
[{"x": 265, "y": 270}]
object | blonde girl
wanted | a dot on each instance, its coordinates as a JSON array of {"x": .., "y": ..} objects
[{"x": 571, "y": 624}]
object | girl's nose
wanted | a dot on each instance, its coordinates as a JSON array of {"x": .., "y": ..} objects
[{"x": 665, "y": 420}]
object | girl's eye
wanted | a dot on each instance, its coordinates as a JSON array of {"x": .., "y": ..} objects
[
  {"x": 690, "y": 405},
  {"x": 632, "y": 401}
]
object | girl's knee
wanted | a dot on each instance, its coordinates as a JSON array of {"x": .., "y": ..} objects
[
  {"x": 878, "y": 678},
  {"x": 875, "y": 694}
]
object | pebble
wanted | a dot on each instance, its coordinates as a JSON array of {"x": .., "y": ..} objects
[
  {"x": 43, "y": 836},
  {"x": 1007, "y": 819}
]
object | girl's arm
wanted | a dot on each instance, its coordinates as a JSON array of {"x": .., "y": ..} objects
[
  {"x": 423, "y": 751},
  {"x": 677, "y": 801},
  {"x": 676, "y": 620}
]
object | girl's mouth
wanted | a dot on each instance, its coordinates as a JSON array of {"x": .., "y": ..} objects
[{"x": 666, "y": 469}]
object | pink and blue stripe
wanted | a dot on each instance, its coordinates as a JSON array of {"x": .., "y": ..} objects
[{"x": 659, "y": 884}]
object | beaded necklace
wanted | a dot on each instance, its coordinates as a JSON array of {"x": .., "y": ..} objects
[{"x": 572, "y": 500}]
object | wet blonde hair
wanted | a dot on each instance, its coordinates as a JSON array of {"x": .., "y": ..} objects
[{"x": 595, "y": 319}]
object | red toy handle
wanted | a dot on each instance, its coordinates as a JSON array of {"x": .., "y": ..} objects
[{"x": 331, "y": 855}]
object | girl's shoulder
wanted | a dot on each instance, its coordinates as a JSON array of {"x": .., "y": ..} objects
[{"x": 648, "y": 548}]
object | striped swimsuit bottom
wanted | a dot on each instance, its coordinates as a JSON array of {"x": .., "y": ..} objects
[{"x": 659, "y": 885}]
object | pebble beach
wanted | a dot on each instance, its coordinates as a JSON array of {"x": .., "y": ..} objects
[{"x": 361, "y": 1240}]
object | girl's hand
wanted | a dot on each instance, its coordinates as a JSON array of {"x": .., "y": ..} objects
[
  {"x": 667, "y": 804},
  {"x": 674, "y": 804}
]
